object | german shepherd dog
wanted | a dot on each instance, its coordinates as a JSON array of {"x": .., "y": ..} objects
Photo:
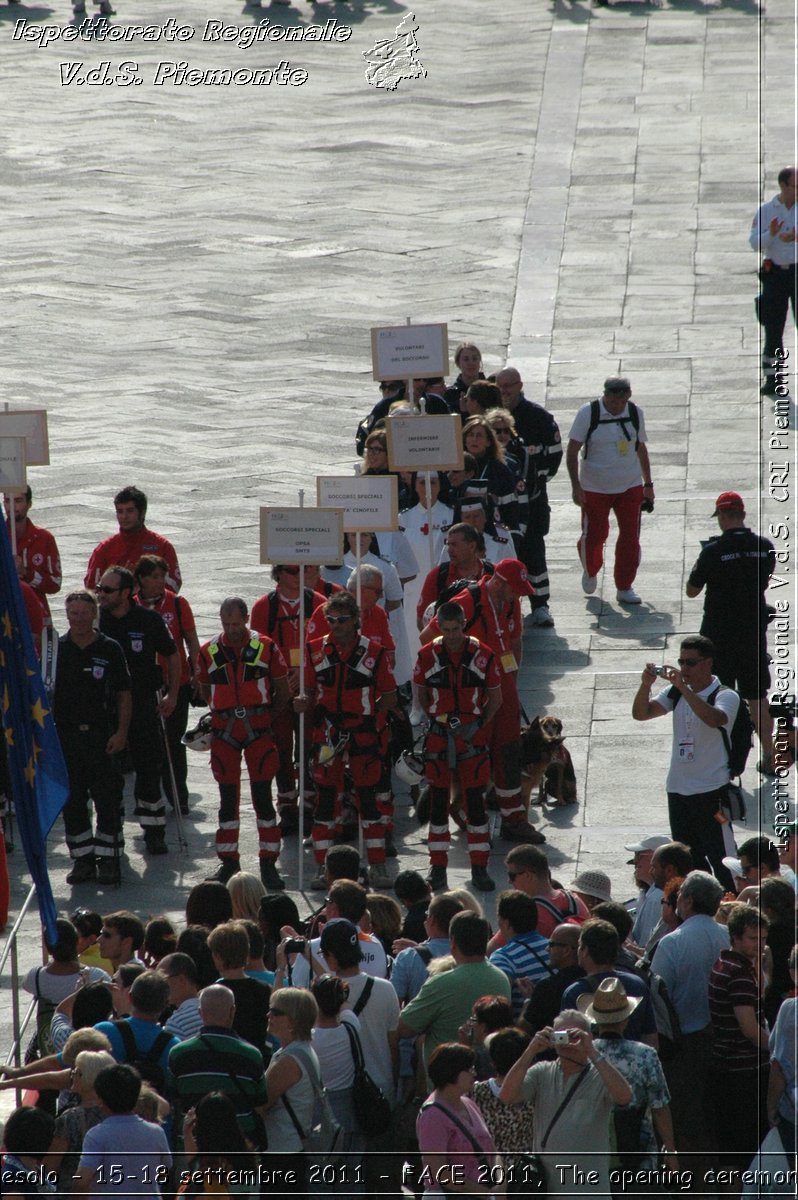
[{"x": 546, "y": 764}]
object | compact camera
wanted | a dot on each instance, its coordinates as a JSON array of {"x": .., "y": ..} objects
[
  {"x": 295, "y": 946},
  {"x": 560, "y": 1037}
]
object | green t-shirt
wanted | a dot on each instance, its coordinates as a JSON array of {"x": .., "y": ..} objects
[{"x": 445, "y": 1001}]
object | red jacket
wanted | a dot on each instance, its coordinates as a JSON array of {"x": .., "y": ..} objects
[
  {"x": 240, "y": 677},
  {"x": 457, "y": 687},
  {"x": 347, "y": 686},
  {"x": 125, "y": 550},
  {"x": 41, "y": 562}
]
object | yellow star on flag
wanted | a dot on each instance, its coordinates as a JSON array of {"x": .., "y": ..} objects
[
  {"x": 38, "y": 712},
  {"x": 30, "y": 773},
  {"x": 7, "y": 626}
]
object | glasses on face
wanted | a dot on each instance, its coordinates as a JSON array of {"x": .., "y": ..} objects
[
  {"x": 339, "y": 620},
  {"x": 107, "y": 591},
  {"x": 688, "y": 662}
]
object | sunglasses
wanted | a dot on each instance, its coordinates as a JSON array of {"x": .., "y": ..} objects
[
  {"x": 108, "y": 591},
  {"x": 688, "y": 662}
]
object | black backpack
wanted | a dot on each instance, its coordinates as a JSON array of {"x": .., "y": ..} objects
[
  {"x": 460, "y": 585},
  {"x": 146, "y": 1062},
  {"x": 738, "y": 744},
  {"x": 633, "y": 418}
]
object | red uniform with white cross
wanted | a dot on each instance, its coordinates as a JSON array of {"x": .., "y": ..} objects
[
  {"x": 241, "y": 696},
  {"x": 457, "y": 687},
  {"x": 347, "y": 686},
  {"x": 499, "y": 630}
]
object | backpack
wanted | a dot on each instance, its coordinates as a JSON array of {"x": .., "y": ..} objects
[
  {"x": 146, "y": 1062},
  {"x": 632, "y": 417},
  {"x": 41, "y": 1044},
  {"x": 447, "y": 590},
  {"x": 310, "y": 602},
  {"x": 667, "y": 1019},
  {"x": 738, "y": 744}
]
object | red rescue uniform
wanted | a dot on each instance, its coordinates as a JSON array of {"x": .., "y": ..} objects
[
  {"x": 41, "y": 562},
  {"x": 241, "y": 696},
  {"x": 347, "y": 686},
  {"x": 125, "y": 550},
  {"x": 457, "y": 687},
  {"x": 499, "y": 630},
  {"x": 278, "y": 617}
]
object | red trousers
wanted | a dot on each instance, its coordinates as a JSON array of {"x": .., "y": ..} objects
[
  {"x": 505, "y": 749},
  {"x": 473, "y": 774},
  {"x": 364, "y": 759},
  {"x": 261, "y": 759},
  {"x": 596, "y": 509}
]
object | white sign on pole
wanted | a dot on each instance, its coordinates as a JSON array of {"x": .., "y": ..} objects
[
  {"x": 30, "y": 424},
  {"x": 405, "y": 351},
  {"x": 13, "y": 476},
  {"x": 370, "y": 503},
  {"x": 422, "y": 443},
  {"x": 302, "y": 535}
]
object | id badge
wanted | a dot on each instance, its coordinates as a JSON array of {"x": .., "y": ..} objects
[
  {"x": 508, "y": 663},
  {"x": 623, "y": 447},
  {"x": 687, "y": 749},
  {"x": 293, "y": 655}
]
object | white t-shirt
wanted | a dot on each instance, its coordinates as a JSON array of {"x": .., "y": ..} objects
[
  {"x": 374, "y": 961},
  {"x": 379, "y": 1018},
  {"x": 611, "y": 464},
  {"x": 699, "y": 761},
  {"x": 56, "y": 988},
  {"x": 334, "y": 1052}
]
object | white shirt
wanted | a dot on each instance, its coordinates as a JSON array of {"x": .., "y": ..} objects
[
  {"x": 699, "y": 761},
  {"x": 379, "y": 1018},
  {"x": 781, "y": 248},
  {"x": 612, "y": 464},
  {"x": 649, "y": 911},
  {"x": 374, "y": 961},
  {"x": 334, "y": 1051}
]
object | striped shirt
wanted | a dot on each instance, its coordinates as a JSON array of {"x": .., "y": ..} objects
[
  {"x": 218, "y": 1060},
  {"x": 733, "y": 984}
]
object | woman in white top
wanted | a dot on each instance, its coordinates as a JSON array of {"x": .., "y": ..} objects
[
  {"x": 333, "y": 1045},
  {"x": 292, "y": 1014}
]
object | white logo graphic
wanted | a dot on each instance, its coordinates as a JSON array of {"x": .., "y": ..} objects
[{"x": 393, "y": 59}]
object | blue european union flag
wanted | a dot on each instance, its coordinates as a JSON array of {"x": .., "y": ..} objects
[{"x": 39, "y": 780}]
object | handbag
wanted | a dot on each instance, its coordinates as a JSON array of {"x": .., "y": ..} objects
[
  {"x": 322, "y": 1139},
  {"x": 372, "y": 1108}
]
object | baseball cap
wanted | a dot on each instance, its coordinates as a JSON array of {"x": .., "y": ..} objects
[
  {"x": 339, "y": 936},
  {"x": 593, "y": 883},
  {"x": 653, "y": 842},
  {"x": 512, "y": 571},
  {"x": 729, "y": 502}
]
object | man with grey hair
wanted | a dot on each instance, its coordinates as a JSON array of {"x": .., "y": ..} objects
[
  {"x": 615, "y": 476},
  {"x": 218, "y": 1060},
  {"x": 684, "y": 960},
  {"x": 244, "y": 678}
]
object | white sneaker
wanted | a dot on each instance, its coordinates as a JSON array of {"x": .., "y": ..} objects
[
  {"x": 542, "y": 617},
  {"x": 628, "y": 596},
  {"x": 589, "y": 583}
]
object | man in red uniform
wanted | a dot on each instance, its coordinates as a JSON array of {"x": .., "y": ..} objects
[
  {"x": 493, "y": 615},
  {"x": 277, "y": 615},
  {"x": 125, "y": 548},
  {"x": 38, "y": 561},
  {"x": 459, "y": 688},
  {"x": 462, "y": 546},
  {"x": 350, "y": 684},
  {"x": 243, "y": 677}
]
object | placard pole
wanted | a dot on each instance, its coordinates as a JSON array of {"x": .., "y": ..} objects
[
  {"x": 12, "y": 520},
  {"x": 431, "y": 548},
  {"x": 357, "y": 577},
  {"x": 409, "y": 384},
  {"x": 301, "y": 739}
]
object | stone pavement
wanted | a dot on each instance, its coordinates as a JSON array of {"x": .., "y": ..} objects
[{"x": 192, "y": 271}]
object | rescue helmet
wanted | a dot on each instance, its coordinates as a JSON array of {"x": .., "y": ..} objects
[
  {"x": 199, "y": 738},
  {"x": 410, "y": 768}
]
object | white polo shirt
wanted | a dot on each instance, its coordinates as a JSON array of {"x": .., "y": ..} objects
[{"x": 699, "y": 761}]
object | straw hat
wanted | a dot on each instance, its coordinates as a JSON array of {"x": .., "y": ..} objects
[{"x": 609, "y": 1004}]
